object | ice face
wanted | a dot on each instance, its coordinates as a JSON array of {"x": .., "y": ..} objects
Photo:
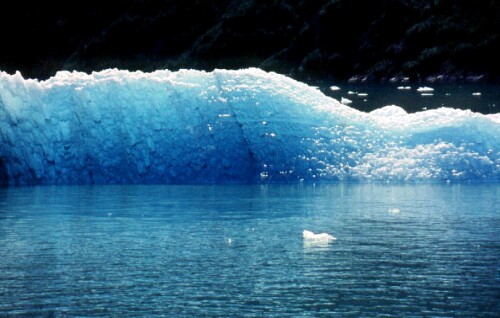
[{"x": 225, "y": 127}]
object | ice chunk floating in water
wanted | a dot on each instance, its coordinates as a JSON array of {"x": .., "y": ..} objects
[
  {"x": 225, "y": 127},
  {"x": 425, "y": 89},
  {"x": 322, "y": 237}
]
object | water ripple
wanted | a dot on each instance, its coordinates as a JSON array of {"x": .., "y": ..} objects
[{"x": 199, "y": 251}]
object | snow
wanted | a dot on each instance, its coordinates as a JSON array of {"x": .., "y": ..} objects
[{"x": 226, "y": 127}]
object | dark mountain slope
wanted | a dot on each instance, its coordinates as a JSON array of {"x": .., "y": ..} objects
[{"x": 303, "y": 38}]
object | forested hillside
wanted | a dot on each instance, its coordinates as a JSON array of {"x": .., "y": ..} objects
[{"x": 302, "y": 38}]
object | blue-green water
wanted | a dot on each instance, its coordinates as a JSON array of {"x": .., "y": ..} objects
[{"x": 237, "y": 251}]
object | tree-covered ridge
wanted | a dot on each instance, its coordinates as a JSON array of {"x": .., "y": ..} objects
[{"x": 333, "y": 38}]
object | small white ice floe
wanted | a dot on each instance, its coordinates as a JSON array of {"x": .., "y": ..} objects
[
  {"x": 476, "y": 94},
  {"x": 345, "y": 101},
  {"x": 322, "y": 237},
  {"x": 362, "y": 94},
  {"x": 425, "y": 89},
  {"x": 393, "y": 210},
  {"x": 335, "y": 88}
]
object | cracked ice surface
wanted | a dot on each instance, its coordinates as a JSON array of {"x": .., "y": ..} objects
[{"x": 225, "y": 127}]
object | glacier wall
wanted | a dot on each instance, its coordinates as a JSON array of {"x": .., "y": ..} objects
[{"x": 225, "y": 127}]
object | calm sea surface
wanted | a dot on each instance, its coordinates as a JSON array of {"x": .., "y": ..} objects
[
  {"x": 237, "y": 251},
  {"x": 482, "y": 98}
]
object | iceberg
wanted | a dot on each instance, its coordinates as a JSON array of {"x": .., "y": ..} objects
[{"x": 240, "y": 126}]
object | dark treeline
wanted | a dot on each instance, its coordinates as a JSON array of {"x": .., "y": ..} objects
[{"x": 302, "y": 38}]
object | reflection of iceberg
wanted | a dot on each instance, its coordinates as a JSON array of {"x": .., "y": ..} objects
[
  {"x": 222, "y": 127},
  {"x": 316, "y": 245}
]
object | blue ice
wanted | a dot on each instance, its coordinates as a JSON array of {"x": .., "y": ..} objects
[{"x": 226, "y": 127}]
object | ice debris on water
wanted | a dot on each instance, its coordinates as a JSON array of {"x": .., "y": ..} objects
[
  {"x": 393, "y": 210},
  {"x": 345, "y": 101},
  {"x": 244, "y": 126},
  {"x": 425, "y": 89},
  {"x": 321, "y": 237}
]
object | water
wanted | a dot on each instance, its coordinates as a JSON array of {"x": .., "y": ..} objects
[
  {"x": 482, "y": 98},
  {"x": 237, "y": 251}
]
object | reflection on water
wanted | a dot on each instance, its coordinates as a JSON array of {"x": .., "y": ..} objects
[{"x": 190, "y": 251}]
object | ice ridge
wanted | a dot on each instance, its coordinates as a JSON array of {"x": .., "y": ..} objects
[{"x": 244, "y": 126}]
